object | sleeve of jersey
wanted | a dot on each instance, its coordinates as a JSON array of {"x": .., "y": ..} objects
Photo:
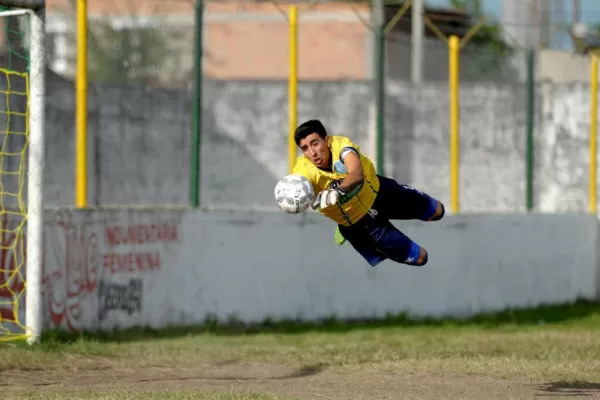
[{"x": 347, "y": 146}]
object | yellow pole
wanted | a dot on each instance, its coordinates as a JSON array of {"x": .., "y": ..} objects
[
  {"x": 81, "y": 107},
  {"x": 293, "y": 87},
  {"x": 593, "y": 133},
  {"x": 454, "y": 50},
  {"x": 454, "y": 46}
]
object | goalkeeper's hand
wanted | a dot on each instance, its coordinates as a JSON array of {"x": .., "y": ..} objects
[{"x": 326, "y": 198}]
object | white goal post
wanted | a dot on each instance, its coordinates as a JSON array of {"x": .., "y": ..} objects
[{"x": 35, "y": 9}]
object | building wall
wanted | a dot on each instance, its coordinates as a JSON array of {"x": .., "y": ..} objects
[{"x": 240, "y": 41}]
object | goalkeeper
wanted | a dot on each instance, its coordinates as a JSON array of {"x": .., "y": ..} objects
[{"x": 361, "y": 202}]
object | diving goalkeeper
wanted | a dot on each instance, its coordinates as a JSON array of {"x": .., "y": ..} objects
[{"x": 362, "y": 203}]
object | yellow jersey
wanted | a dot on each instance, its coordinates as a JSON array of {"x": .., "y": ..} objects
[{"x": 358, "y": 201}]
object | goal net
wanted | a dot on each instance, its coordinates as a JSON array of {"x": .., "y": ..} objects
[{"x": 21, "y": 163}]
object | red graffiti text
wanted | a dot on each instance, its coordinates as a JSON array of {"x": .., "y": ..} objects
[
  {"x": 141, "y": 234},
  {"x": 12, "y": 270},
  {"x": 71, "y": 272},
  {"x": 131, "y": 262}
]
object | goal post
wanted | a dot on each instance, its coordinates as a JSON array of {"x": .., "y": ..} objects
[{"x": 21, "y": 180}]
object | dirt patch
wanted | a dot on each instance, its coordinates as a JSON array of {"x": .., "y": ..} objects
[{"x": 310, "y": 383}]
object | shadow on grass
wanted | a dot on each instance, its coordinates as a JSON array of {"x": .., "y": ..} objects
[
  {"x": 567, "y": 389},
  {"x": 303, "y": 372},
  {"x": 547, "y": 314}
]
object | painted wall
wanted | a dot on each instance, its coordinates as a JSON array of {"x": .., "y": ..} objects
[
  {"x": 126, "y": 268},
  {"x": 139, "y": 142}
]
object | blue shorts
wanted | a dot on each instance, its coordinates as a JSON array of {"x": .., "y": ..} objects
[{"x": 374, "y": 236}]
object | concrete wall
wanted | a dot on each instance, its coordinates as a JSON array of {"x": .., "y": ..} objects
[
  {"x": 559, "y": 66},
  {"x": 127, "y": 268},
  {"x": 476, "y": 63},
  {"x": 139, "y": 142}
]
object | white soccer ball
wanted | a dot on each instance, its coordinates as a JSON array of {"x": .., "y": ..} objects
[{"x": 294, "y": 194}]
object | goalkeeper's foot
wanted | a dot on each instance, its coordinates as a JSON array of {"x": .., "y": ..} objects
[{"x": 338, "y": 237}]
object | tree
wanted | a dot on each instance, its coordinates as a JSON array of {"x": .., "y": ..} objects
[
  {"x": 488, "y": 53},
  {"x": 130, "y": 55}
]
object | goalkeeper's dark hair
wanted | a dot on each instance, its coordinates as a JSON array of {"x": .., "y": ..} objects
[{"x": 307, "y": 128}]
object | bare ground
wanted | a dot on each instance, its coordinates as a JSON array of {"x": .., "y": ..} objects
[
  {"x": 512, "y": 361},
  {"x": 306, "y": 383}
]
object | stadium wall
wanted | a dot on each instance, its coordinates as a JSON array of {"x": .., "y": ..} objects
[
  {"x": 107, "y": 269},
  {"x": 139, "y": 141}
]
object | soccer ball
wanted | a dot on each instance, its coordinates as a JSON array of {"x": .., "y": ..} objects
[{"x": 294, "y": 194}]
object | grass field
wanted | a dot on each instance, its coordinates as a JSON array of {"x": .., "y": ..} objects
[{"x": 550, "y": 351}]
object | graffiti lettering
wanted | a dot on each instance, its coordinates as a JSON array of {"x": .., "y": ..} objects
[
  {"x": 78, "y": 252},
  {"x": 131, "y": 262},
  {"x": 73, "y": 271},
  {"x": 141, "y": 234},
  {"x": 118, "y": 297},
  {"x": 12, "y": 262}
]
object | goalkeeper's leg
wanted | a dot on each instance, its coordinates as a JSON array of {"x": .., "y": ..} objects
[
  {"x": 376, "y": 240},
  {"x": 397, "y": 201}
]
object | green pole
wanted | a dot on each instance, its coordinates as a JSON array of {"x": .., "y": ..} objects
[
  {"x": 530, "y": 126},
  {"x": 380, "y": 95},
  {"x": 197, "y": 111}
]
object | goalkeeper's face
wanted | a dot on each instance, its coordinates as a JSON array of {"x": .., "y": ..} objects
[{"x": 316, "y": 149}]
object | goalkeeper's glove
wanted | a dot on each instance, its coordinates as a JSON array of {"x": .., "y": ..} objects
[{"x": 327, "y": 198}]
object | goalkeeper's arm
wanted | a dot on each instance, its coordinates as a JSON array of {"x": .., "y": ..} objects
[{"x": 355, "y": 177}]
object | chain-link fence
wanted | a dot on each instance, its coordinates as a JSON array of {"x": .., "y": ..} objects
[
  {"x": 140, "y": 101},
  {"x": 140, "y": 59},
  {"x": 245, "y": 131},
  {"x": 491, "y": 111}
]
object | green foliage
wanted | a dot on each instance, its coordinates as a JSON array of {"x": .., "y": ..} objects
[
  {"x": 489, "y": 55},
  {"x": 490, "y": 33},
  {"x": 126, "y": 56}
]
